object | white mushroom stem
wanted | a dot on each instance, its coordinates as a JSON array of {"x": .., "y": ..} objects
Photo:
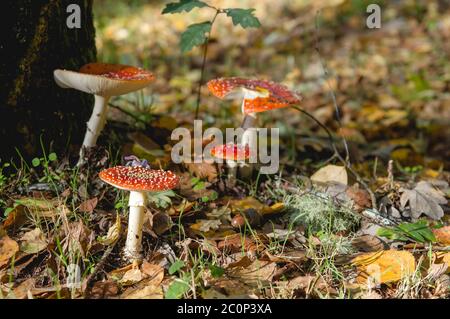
[
  {"x": 231, "y": 168},
  {"x": 249, "y": 137},
  {"x": 95, "y": 125},
  {"x": 133, "y": 245}
]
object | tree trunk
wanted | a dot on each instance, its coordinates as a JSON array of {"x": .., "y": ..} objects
[{"x": 35, "y": 41}]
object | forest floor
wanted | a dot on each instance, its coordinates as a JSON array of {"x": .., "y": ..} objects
[{"x": 372, "y": 222}]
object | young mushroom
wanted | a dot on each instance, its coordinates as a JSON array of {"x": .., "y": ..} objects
[
  {"x": 234, "y": 156},
  {"x": 138, "y": 180},
  {"x": 103, "y": 81},
  {"x": 256, "y": 95}
]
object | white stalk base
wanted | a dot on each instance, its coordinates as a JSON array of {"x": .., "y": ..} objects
[
  {"x": 250, "y": 138},
  {"x": 231, "y": 174},
  {"x": 95, "y": 125},
  {"x": 133, "y": 245}
]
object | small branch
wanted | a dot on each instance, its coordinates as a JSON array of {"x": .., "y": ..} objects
[
  {"x": 205, "y": 53},
  {"x": 332, "y": 93},
  {"x": 339, "y": 156},
  {"x": 97, "y": 269}
]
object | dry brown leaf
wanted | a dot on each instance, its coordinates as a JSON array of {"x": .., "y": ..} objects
[
  {"x": 241, "y": 205},
  {"x": 330, "y": 173},
  {"x": 205, "y": 225},
  {"x": 442, "y": 235},
  {"x": 368, "y": 243},
  {"x": 154, "y": 273},
  {"x": 238, "y": 243},
  {"x": 148, "y": 292},
  {"x": 23, "y": 290},
  {"x": 35, "y": 207},
  {"x": 8, "y": 248},
  {"x": 33, "y": 241},
  {"x": 203, "y": 170},
  {"x": 131, "y": 277},
  {"x": 387, "y": 266},
  {"x": 307, "y": 283},
  {"x": 257, "y": 272},
  {"x": 113, "y": 233},
  {"x": 423, "y": 199},
  {"x": 88, "y": 206},
  {"x": 104, "y": 290}
]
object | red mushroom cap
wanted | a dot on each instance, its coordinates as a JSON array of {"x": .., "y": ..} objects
[
  {"x": 274, "y": 95},
  {"x": 117, "y": 71},
  {"x": 104, "y": 79},
  {"x": 136, "y": 178},
  {"x": 231, "y": 151}
]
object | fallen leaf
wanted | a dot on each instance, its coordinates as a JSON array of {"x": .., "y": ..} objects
[
  {"x": 241, "y": 205},
  {"x": 238, "y": 243},
  {"x": 104, "y": 290},
  {"x": 423, "y": 199},
  {"x": 205, "y": 225},
  {"x": 23, "y": 290},
  {"x": 148, "y": 292},
  {"x": 131, "y": 277},
  {"x": 203, "y": 170},
  {"x": 33, "y": 241},
  {"x": 259, "y": 271},
  {"x": 8, "y": 248},
  {"x": 330, "y": 173},
  {"x": 384, "y": 267},
  {"x": 442, "y": 235},
  {"x": 154, "y": 273},
  {"x": 368, "y": 243},
  {"x": 20, "y": 215},
  {"x": 88, "y": 206},
  {"x": 113, "y": 233}
]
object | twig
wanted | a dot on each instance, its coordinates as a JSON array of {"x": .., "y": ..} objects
[
  {"x": 205, "y": 53},
  {"x": 332, "y": 93},
  {"x": 339, "y": 156},
  {"x": 97, "y": 269}
]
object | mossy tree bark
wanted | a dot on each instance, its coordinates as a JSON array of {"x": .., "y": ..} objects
[{"x": 36, "y": 41}]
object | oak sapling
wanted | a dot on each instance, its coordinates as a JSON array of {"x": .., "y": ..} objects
[{"x": 199, "y": 33}]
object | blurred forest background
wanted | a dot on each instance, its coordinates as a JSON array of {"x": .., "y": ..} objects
[{"x": 391, "y": 84}]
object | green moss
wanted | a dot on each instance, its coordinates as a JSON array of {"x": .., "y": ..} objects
[{"x": 318, "y": 212}]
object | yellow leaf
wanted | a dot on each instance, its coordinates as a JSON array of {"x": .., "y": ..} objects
[
  {"x": 442, "y": 235},
  {"x": 8, "y": 248},
  {"x": 384, "y": 267},
  {"x": 331, "y": 173},
  {"x": 113, "y": 233},
  {"x": 240, "y": 205}
]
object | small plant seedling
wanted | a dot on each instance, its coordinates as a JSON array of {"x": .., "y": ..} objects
[
  {"x": 199, "y": 33},
  {"x": 198, "y": 185},
  {"x": 418, "y": 232}
]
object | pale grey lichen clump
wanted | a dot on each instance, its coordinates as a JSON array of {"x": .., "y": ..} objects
[{"x": 320, "y": 212}]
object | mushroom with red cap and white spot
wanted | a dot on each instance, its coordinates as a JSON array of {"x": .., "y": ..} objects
[
  {"x": 104, "y": 81},
  {"x": 257, "y": 96},
  {"x": 234, "y": 156},
  {"x": 138, "y": 180}
]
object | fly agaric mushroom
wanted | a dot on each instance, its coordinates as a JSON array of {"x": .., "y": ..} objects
[
  {"x": 104, "y": 81},
  {"x": 234, "y": 155},
  {"x": 138, "y": 181},
  {"x": 257, "y": 96}
]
